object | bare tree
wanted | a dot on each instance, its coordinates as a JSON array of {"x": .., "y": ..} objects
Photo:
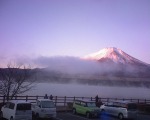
[{"x": 15, "y": 80}]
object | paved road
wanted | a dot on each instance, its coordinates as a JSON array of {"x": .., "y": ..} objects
[{"x": 70, "y": 116}]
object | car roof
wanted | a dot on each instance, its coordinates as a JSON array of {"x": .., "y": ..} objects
[{"x": 122, "y": 101}]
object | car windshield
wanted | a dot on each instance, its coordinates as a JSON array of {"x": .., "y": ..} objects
[
  {"x": 47, "y": 104},
  {"x": 24, "y": 106},
  {"x": 91, "y": 104}
]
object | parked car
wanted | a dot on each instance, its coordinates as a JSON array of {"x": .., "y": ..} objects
[
  {"x": 16, "y": 110},
  {"x": 120, "y": 109},
  {"x": 44, "y": 108},
  {"x": 87, "y": 108}
]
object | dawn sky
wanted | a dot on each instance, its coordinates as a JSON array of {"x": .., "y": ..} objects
[{"x": 33, "y": 28}]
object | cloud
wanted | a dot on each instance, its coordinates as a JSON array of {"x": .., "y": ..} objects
[
  {"x": 69, "y": 64},
  {"x": 75, "y": 65}
]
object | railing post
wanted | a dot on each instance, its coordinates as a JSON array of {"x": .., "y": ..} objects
[
  {"x": 4, "y": 99},
  {"x": 16, "y": 97},
  {"x": 138, "y": 100},
  {"x": 91, "y": 98},
  {"x": 37, "y": 97},
  {"x": 65, "y": 101},
  {"x": 56, "y": 101},
  {"x": 74, "y": 98},
  {"x": 26, "y": 97}
]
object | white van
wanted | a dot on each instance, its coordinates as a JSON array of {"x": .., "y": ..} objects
[
  {"x": 17, "y": 110},
  {"x": 44, "y": 108},
  {"x": 120, "y": 109}
]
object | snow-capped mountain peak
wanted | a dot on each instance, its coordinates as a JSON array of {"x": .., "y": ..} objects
[{"x": 113, "y": 54}]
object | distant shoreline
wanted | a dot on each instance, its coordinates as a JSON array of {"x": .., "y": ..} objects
[{"x": 127, "y": 82}]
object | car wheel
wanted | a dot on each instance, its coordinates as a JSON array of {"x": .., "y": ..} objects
[
  {"x": 33, "y": 116},
  {"x": 120, "y": 116},
  {"x": 37, "y": 117},
  {"x": 74, "y": 111},
  {"x": 88, "y": 115},
  {"x": 102, "y": 111},
  {"x": 1, "y": 115},
  {"x": 11, "y": 118}
]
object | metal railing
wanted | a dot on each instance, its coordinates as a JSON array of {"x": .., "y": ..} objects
[{"x": 64, "y": 100}]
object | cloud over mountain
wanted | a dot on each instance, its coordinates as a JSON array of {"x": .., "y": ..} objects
[
  {"x": 108, "y": 61},
  {"x": 67, "y": 64}
]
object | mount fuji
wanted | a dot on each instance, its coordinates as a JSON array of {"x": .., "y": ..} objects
[
  {"x": 114, "y": 55},
  {"x": 118, "y": 63}
]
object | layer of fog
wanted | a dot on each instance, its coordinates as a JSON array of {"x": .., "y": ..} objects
[
  {"x": 65, "y": 69},
  {"x": 70, "y": 65},
  {"x": 89, "y": 91},
  {"x": 74, "y": 65}
]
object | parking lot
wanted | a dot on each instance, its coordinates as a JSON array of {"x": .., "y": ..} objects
[{"x": 70, "y": 116}]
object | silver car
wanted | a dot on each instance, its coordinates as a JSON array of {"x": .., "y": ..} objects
[{"x": 120, "y": 109}]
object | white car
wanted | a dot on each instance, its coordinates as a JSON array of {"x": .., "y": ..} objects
[
  {"x": 120, "y": 109},
  {"x": 44, "y": 108},
  {"x": 16, "y": 110}
]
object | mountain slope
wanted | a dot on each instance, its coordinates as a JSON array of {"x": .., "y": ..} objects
[{"x": 115, "y": 55}]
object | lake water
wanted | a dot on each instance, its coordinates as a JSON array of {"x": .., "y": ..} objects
[{"x": 81, "y": 90}]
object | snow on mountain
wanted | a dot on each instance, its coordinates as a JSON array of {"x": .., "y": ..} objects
[{"x": 114, "y": 54}]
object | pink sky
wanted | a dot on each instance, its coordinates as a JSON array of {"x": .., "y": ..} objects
[{"x": 33, "y": 28}]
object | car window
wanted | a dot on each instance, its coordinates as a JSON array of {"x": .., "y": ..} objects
[
  {"x": 24, "y": 106},
  {"x": 123, "y": 105},
  {"x": 91, "y": 104},
  {"x": 117, "y": 104},
  {"x": 109, "y": 104},
  {"x": 83, "y": 104},
  {"x": 77, "y": 102},
  {"x": 7, "y": 105},
  {"x": 47, "y": 104},
  {"x": 12, "y": 105}
]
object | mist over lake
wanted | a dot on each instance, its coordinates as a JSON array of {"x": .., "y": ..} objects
[{"x": 81, "y": 90}]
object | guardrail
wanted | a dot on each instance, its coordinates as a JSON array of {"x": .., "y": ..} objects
[{"x": 64, "y": 100}]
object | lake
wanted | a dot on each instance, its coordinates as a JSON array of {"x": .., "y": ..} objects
[{"x": 81, "y": 90}]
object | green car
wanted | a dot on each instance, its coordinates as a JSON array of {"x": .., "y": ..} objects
[{"x": 87, "y": 108}]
